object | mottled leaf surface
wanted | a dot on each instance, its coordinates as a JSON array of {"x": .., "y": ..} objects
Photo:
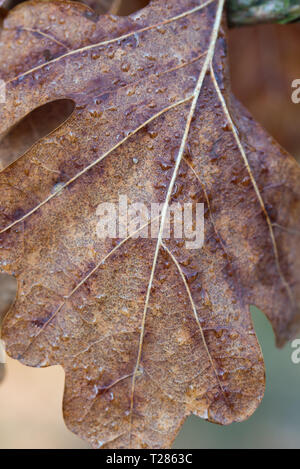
[{"x": 148, "y": 332}]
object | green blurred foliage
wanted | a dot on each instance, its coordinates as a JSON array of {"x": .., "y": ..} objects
[{"x": 275, "y": 424}]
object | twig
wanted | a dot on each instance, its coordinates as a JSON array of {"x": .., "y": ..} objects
[{"x": 244, "y": 12}]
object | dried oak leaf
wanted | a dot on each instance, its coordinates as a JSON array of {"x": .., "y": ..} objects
[{"x": 148, "y": 331}]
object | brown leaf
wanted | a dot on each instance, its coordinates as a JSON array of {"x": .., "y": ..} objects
[{"x": 148, "y": 331}]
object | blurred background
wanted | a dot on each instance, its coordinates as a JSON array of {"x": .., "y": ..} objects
[{"x": 264, "y": 60}]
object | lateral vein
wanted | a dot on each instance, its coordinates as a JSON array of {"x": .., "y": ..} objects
[
  {"x": 120, "y": 38},
  {"x": 253, "y": 181}
]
